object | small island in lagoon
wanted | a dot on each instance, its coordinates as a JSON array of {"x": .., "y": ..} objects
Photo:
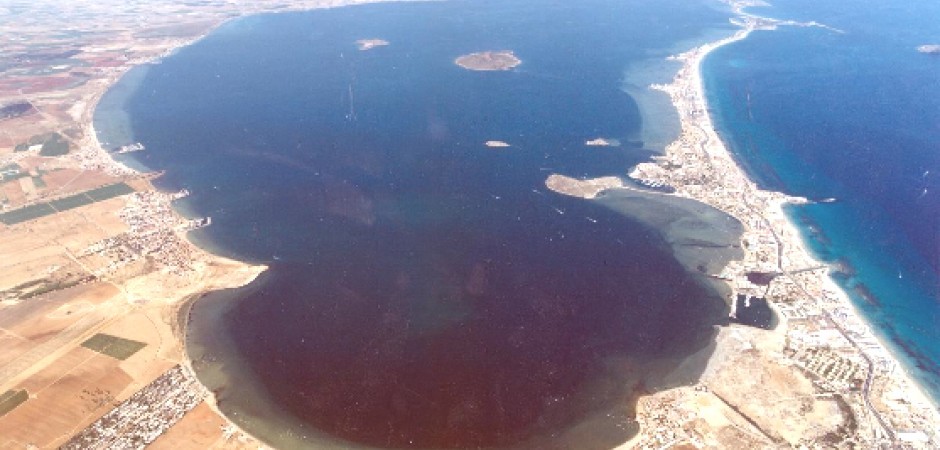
[
  {"x": 929, "y": 49},
  {"x": 496, "y": 144},
  {"x": 581, "y": 188},
  {"x": 488, "y": 61},
  {"x": 602, "y": 142},
  {"x": 369, "y": 44}
]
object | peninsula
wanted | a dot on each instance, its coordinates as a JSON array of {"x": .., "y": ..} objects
[{"x": 488, "y": 61}]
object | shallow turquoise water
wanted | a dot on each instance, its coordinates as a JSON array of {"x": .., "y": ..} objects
[{"x": 852, "y": 116}]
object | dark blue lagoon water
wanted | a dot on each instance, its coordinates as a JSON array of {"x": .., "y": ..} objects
[
  {"x": 425, "y": 290},
  {"x": 853, "y": 116}
]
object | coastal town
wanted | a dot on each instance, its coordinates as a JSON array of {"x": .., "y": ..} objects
[
  {"x": 823, "y": 338},
  {"x": 141, "y": 419},
  {"x": 91, "y": 248},
  {"x": 826, "y": 353}
]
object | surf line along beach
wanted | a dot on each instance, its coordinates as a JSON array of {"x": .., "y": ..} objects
[{"x": 699, "y": 166}]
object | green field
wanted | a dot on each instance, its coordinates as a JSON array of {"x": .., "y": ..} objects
[
  {"x": 113, "y": 346},
  {"x": 63, "y": 204},
  {"x": 55, "y": 145},
  {"x": 67, "y": 203},
  {"x": 12, "y": 172},
  {"x": 109, "y": 191},
  {"x": 11, "y": 399},
  {"x": 27, "y": 213}
]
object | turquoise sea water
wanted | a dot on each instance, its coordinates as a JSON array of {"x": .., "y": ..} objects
[{"x": 853, "y": 116}]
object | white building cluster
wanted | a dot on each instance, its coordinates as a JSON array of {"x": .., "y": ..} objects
[
  {"x": 825, "y": 336},
  {"x": 145, "y": 416},
  {"x": 155, "y": 234}
]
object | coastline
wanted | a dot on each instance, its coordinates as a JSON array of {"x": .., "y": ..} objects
[
  {"x": 239, "y": 416},
  {"x": 768, "y": 205},
  {"x": 106, "y": 161},
  {"x": 814, "y": 311},
  {"x": 728, "y": 188},
  {"x": 214, "y": 273}
]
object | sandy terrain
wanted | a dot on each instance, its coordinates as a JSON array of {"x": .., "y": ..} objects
[
  {"x": 120, "y": 266},
  {"x": 818, "y": 380},
  {"x": 35, "y": 249},
  {"x": 71, "y": 386},
  {"x": 203, "y": 428},
  {"x": 64, "y": 397}
]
